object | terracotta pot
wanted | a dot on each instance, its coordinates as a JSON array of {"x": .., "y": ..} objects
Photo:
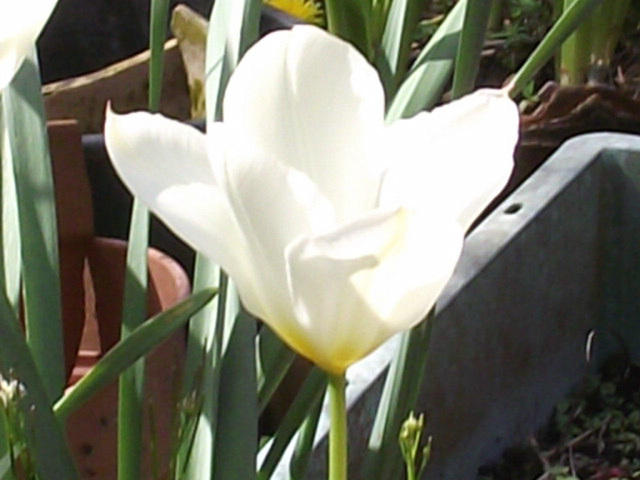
[{"x": 92, "y": 278}]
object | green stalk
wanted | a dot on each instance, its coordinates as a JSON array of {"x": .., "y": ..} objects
[
  {"x": 575, "y": 53},
  {"x": 131, "y": 386},
  {"x": 399, "y": 397},
  {"x": 338, "y": 456},
  {"x": 560, "y": 31},
  {"x": 474, "y": 31}
]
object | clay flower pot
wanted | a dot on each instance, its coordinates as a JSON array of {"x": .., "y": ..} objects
[{"x": 92, "y": 278}]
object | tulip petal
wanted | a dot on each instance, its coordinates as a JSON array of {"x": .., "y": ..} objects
[
  {"x": 165, "y": 164},
  {"x": 457, "y": 157},
  {"x": 321, "y": 119},
  {"x": 273, "y": 204},
  {"x": 352, "y": 289},
  {"x": 20, "y": 26}
]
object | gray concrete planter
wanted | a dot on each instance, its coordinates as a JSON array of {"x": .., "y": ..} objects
[{"x": 558, "y": 259}]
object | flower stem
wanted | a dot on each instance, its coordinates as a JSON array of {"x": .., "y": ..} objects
[{"x": 338, "y": 434}]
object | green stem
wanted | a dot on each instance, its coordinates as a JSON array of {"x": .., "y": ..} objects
[{"x": 338, "y": 433}]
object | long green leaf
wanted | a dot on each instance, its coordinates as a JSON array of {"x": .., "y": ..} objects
[
  {"x": 140, "y": 342},
  {"x": 399, "y": 397},
  {"x": 307, "y": 400},
  {"x": 275, "y": 360},
  {"x": 25, "y": 122},
  {"x": 196, "y": 454},
  {"x": 432, "y": 69},
  {"x": 10, "y": 263},
  {"x": 559, "y": 32},
  {"x": 233, "y": 28},
  {"x": 237, "y": 425},
  {"x": 393, "y": 55},
  {"x": 304, "y": 444},
  {"x": 474, "y": 31},
  {"x": 351, "y": 20},
  {"x": 131, "y": 386},
  {"x": 45, "y": 438}
]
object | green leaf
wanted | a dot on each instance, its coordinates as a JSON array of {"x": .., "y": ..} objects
[
  {"x": 44, "y": 435},
  {"x": 304, "y": 444},
  {"x": 140, "y": 342},
  {"x": 393, "y": 55},
  {"x": 206, "y": 347},
  {"x": 131, "y": 386},
  {"x": 432, "y": 69},
  {"x": 555, "y": 37},
  {"x": 233, "y": 28},
  {"x": 10, "y": 262},
  {"x": 237, "y": 421},
  {"x": 24, "y": 118},
  {"x": 351, "y": 21},
  {"x": 474, "y": 31},
  {"x": 309, "y": 397},
  {"x": 399, "y": 397},
  {"x": 275, "y": 359}
]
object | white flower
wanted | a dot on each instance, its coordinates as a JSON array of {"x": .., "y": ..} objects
[
  {"x": 20, "y": 24},
  {"x": 10, "y": 391},
  {"x": 338, "y": 230}
]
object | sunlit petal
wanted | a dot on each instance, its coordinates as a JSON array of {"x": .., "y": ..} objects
[
  {"x": 165, "y": 163},
  {"x": 20, "y": 25},
  {"x": 354, "y": 288},
  {"x": 322, "y": 119},
  {"x": 458, "y": 157}
]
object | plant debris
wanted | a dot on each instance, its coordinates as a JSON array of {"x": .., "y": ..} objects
[{"x": 594, "y": 434}]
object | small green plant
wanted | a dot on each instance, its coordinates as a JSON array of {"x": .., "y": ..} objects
[{"x": 415, "y": 454}]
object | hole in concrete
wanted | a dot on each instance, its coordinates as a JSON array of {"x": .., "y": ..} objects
[{"x": 513, "y": 208}]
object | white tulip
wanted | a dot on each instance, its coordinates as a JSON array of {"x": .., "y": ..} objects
[
  {"x": 20, "y": 24},
  {"x": 338, "y": 231}
]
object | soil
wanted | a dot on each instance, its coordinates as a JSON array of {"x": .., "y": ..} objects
[{"x": 594, "y": 434}]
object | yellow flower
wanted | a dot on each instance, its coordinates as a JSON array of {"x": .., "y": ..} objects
[{"x": 306, "y": 10}]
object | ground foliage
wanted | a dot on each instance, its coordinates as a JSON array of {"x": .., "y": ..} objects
[{"x": 594, "y": 434}]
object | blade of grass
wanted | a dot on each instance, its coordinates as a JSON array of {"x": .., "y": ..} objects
[
  {"x": 10, "y": 264},
  {"x": 304, "y": 444},
  {"x": 25, "y": 122},
  {"x": 197, "y": 455},
  {"x": 351, "y": 21},
  {"x": 393, "y": 55},
  {"x": 237, "y": 422},
  {"x": 399, "y": 396},
  {"x": 474, "y": 31},
  {"x": 131, "y": 386},
  {"x": 431, "y": 71},
  {"x": 233, "y": 27},
  {"x": 140, "y": 342},
  {"x": 275, "y": 359},
  {"x": 307, "y": 400},
  {"x": 559, "y": 32},
  {"x": 44, "y": 435},
  {"x": 203, "y": 347}
]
